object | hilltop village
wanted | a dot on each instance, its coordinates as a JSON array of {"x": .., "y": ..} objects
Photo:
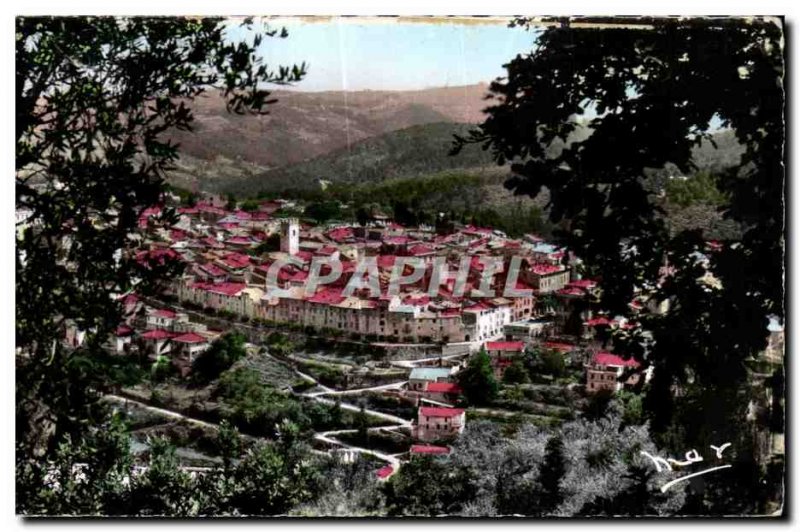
[{"x": 249, "y": 271}]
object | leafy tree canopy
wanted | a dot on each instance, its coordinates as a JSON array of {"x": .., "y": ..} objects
[
  {"x": 477, "y": 380},
  {"x": 95, "y": 100},
  {"x": 650, "y": 92}
]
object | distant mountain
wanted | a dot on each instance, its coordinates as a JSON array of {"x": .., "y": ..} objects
[
  {"x": 304, "y": 125},
  {"x": 409, "y": 152}
]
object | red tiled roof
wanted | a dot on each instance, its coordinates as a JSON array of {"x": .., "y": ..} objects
[
  {"x": 385, "y": 471},
  {"x": 151, "y": 211},
  {"x": 572, "y": 291},
  {"x": 559, "y": 346},
  {"x": 239, "y": 240},
  {"x": 478, "y": 243},
  {"x": 429, "y": 449},
  {"x": 326, "y": 250},
  {"x": 157, "y": 334},
  {"x": 190, "y": 338},
  {"x": 420, "y": 249},
  {"x": 438, "y": 411},
  {"x": 228, "y": 289},
  {"x": 298, "y": 276},
  {"x": 417, "y": 300},
  {"x": 260, "y": 216},
  {"x": 213, "y": 242},
  {"x": 505, "y": 346},
  {"x": 239, "y": 257},
  {"x": 234, "y": 264},
  {"x": 130, "y": 299},
  {"x": 397, "y": 240},
  {"x": 305, "y": 256},
  {"x": 610, "y": 359},
  {"x": 330, "y": 296},
  {"x": 164, "y": 313},
  {"x": 598, "y": 321},
  {"x": 158, "y": 255},
  {"x": 386, "y": 262},
  {"x": 544, "y": 269},
  {"x": 124, "y": 330},
  {"x": 443, "y": 387},
  {"x": 212, "y": 269},
  {"x": 340, "y": 233}
]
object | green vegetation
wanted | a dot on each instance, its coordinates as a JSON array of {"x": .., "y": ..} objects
[
  {"x": 582, "y": 468},
  {"x": 257, "y": 408},
  {"x": 425, "y": 487},
  {"x": 516, "y": 373},
  {"x": 220, "y": 356},
  {"x": 409, "y": 152},
  {"x": 122, "y": 73},
  {"x": 470, "y": 196},
  {"x": 702, "y": 188},
  {"x": 546, "y": 362},
  {"x": 477, "y": 380}
]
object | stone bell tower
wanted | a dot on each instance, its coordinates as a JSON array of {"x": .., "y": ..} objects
[{"x": 290, "y": 236}]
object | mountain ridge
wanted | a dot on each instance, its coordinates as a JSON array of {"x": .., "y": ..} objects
[{"x": 305, "y": 125}]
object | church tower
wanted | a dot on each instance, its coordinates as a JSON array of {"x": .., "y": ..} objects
[{"x": 290, "y": 236}]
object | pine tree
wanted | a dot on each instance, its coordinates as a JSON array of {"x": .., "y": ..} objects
[{"x": 477, "y": 380}]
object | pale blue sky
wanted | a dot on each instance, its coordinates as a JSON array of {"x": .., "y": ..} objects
[{"x": 353, "y": 54}]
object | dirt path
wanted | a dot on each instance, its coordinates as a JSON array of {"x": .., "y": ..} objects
[
  {"x": 162, "y": 411},
  {"x": 412, "y": 363},
  {"x": 356, "y": 391},
  {"x": 325, "y": 437}
]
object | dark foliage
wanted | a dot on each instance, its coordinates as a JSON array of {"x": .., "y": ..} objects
[
  {"x": 654, "y": 92},
  {"x": 94, "y": 99}
]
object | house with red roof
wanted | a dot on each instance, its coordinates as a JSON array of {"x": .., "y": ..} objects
[
  {"x": 240, "y": 241},
  {"x": 122, "y": 337},
  {"x": 385, "y": 472},
  {"x": 210, "y": 272},
  {"x": 545, "y": 277},
  {"x": 503, "y": 354},
  {"x": 162, "y": 318},
  {"x": 157, "y": 341},
  {"x": 605, "y": 370},
  {"x": 487, "y": 318},
  {"x": 445, "y": 392},
  {"x": 561, "y": 347},
  {"x": 340, "y": 234},
  {"x": 237, "y": 298},
  {"x": 189, "y": 345},
  {"x": 438, "y": 423}
]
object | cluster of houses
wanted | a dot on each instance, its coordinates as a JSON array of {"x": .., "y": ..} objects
[
  {"x": 228, "y": 265},
  {"x": 228, "y": 268},
  {"x": 155, "y": 332}
]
